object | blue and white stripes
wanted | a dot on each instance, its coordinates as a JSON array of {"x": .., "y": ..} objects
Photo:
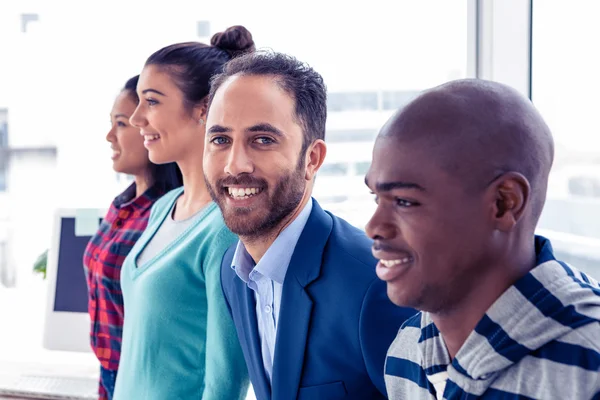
[{"x": 539, "y": 340}]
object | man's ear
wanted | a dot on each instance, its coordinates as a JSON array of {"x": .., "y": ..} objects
[
  {"x": 511, "y": 196},
  {"x": 314, "y": 157}
]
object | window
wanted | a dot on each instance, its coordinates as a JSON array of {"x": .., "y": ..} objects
[
  {"x": 203, "y": 29},
  {"x": 362, "y": 167},
  {"x": 331, "y": 169},
  {"x": 352, "y": 101},
  {"x": 3, "y": 169},
  {"x": 565, "y": 83},
  {"x": 26, "y": 19},
  {"x": 369, "y": 101},
  {"x": 396, "y": 100},
  {"x": 350, "y": 135},
  {"x": 4, "y": 154},
  {"x": 584, "y": 186},
  {"x": 124, "y": 179},
  {"x": 5, "y": 278}
]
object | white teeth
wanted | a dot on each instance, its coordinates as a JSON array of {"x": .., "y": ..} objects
[
  {"x": 242, "y": 193},
  {"x": 151, "y": 137},
  {"x": 393, "y": 263}
]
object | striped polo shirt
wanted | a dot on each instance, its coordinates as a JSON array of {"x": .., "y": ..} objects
[{"x": 539, "y": 340}]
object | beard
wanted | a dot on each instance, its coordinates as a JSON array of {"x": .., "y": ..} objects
[{"x": 263, "y": 217}]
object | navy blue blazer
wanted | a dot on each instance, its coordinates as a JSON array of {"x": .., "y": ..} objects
[{"x": 335, "y": 321}]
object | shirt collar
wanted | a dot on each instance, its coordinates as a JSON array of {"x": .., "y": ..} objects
[
  {"x": 128, "y": 199},
  {"x": 275, "y": 261}
]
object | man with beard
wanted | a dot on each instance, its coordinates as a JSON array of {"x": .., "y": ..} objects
[{"x": 313, "y": 320}]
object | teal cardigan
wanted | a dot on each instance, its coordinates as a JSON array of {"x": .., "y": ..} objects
[{"x": 179, "y": 341}]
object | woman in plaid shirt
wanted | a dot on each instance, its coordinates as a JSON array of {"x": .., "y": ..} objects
[{"x": 123, "y": 225}]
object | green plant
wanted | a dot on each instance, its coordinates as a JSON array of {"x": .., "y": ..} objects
[{"x": 39, "y": 266}]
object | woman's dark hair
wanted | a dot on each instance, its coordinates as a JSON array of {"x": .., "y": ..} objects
[
  {"x": 131, "y": 88},
  {"x": 191, "y": 65},
  {"x": 163, "y": 177}
]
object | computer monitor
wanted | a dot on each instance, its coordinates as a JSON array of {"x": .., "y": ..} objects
[{"x": 67, "y": 322}]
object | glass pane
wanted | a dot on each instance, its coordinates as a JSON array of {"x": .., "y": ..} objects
[
  {"x": 331, "y": 169},
  {"x": 362, "y": 167},
  {"x": 3, "y": 149},
  {"x": 565, "y": 83}
]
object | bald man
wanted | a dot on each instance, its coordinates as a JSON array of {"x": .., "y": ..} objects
[{"x": 460, "y": 176}]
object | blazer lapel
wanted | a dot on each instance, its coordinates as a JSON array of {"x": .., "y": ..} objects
[{"x": 296, "y": 304}]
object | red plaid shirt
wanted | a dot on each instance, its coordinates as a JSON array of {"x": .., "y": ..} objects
[{"x": 124, "y": 223}]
